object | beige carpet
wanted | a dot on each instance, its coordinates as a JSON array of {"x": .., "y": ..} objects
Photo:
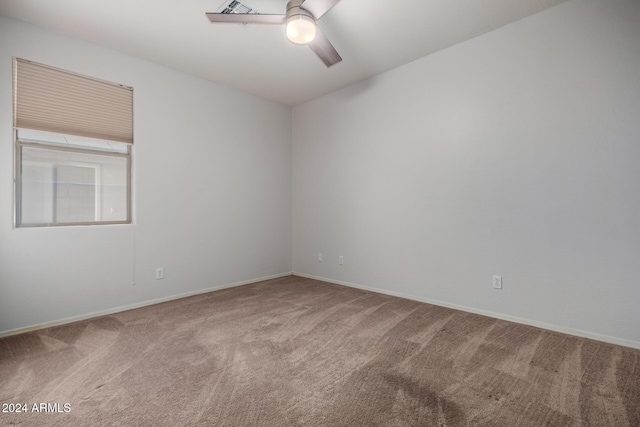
[{"x": 294, "y": 351}]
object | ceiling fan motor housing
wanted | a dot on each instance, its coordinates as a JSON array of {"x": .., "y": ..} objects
[{"x": 294, "y": 9}]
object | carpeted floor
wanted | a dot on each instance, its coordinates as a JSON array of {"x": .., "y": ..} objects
[{"x": 298, "y": 352}]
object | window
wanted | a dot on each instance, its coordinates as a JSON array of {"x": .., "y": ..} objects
[
  {"x": 73, "y": 138},
  {"x": 64, "y": 179}
]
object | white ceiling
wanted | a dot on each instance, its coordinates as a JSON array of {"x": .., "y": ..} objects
[{"x": 371, "y": 36}]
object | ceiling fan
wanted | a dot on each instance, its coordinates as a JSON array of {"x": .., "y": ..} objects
[{"x": 300, "y": 21}]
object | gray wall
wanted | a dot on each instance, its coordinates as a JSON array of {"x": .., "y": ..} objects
[
  {"x": 212, "y": 199},
  {"x": 515, "y": 154}
]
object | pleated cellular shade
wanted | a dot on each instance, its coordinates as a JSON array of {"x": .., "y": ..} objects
[{"x": 53, "y": 100}]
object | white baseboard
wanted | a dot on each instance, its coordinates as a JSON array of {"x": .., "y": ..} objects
[
  {"x": 132, "y": 306},
  {"x": 542, "y": 325}
]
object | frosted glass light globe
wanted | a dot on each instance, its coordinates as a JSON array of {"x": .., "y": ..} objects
[{"x": 301, "y": 29}]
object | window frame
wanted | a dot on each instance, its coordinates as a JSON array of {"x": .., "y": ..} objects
[
  {"x": 19, "y": 144},
  {"x": 69, "y": 104}
]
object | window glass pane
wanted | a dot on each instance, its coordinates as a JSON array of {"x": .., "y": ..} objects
[
  {"x": 68, "y": 187},
  {"x": 29, "y": 135}
]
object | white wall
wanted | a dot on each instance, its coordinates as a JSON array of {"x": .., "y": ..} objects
[
  {"x": 516, "y": 154},
  {"x": 212, "y": 194}
]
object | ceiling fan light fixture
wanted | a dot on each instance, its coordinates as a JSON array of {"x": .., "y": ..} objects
[
  {"x": 300, "y": 24},
  {"x": 301, "y": 29}
]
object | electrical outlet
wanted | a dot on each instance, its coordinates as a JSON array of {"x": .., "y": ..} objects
[
  {"x": 319, "y": 256},
  {"x": 341, "y": 260},
  {"x": 497, "y": 282},
  {"x": 159, "y": 273}
]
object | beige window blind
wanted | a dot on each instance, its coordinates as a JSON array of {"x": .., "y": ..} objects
[{"x": 54, "y": 100}]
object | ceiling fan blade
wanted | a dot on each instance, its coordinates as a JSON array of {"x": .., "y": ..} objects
[
  {"x": 318, "y": 7},
  {"x": 247, "y": 18},
  {"x": 324, "y": 49}
]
